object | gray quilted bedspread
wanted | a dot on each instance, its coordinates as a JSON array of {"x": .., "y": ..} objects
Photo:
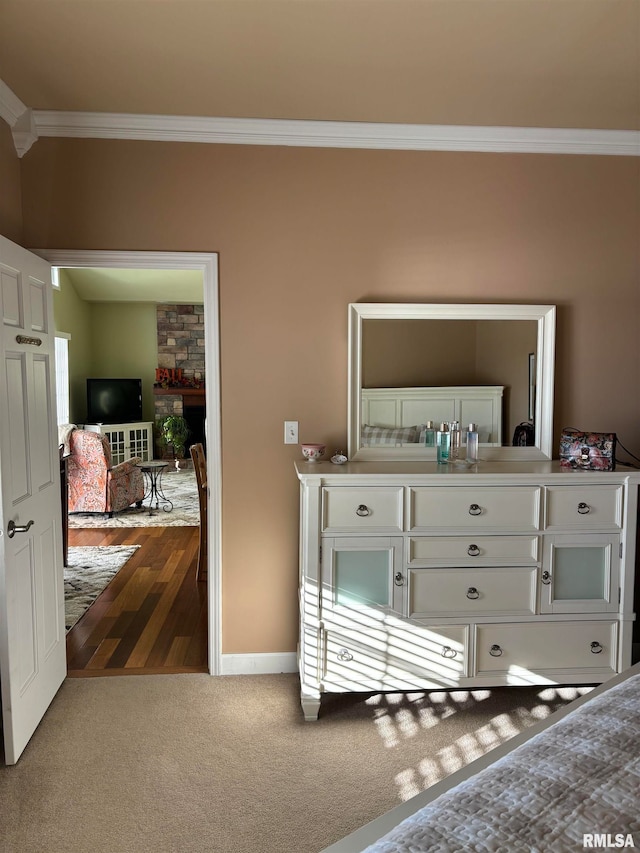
[{"x": 579, "y": 777}]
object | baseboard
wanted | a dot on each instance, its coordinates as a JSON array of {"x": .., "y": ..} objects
[{"x": 259, "y": 664}]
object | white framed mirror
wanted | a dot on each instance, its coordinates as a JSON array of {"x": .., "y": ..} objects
[{"x": 413, "y": 363}]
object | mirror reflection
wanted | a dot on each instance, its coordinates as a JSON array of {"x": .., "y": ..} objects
[
  {"x": 480, "y": 371},
  {"x": 414, "y": 366}
]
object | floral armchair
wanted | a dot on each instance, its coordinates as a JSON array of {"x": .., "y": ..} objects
[{"x": 95, "y": 485}]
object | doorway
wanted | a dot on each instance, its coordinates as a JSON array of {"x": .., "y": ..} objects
[{"x": 207, "y": 264}]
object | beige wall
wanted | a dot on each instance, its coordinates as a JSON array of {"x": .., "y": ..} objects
[
  {"x": 303, "y": 232},
  {"x": 411, "y": 353},
  {"x": 10, "y": 193}
]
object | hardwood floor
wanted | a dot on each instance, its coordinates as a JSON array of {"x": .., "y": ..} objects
[{"x": 152, "y": 618}]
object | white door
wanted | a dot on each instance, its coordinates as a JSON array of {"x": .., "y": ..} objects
[{"x": 32, "y": 628}]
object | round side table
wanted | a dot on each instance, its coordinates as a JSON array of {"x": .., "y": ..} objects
[{"x": 153, "y": 472}]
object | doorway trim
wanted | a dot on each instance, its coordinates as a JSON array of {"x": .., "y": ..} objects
[{"x": 207, "y": 263}]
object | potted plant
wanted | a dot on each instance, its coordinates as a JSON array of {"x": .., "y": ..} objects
[{"x": 174, "y": 431}]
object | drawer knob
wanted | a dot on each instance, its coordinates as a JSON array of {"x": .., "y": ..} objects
[
  {"x": 473, "y": 550},
  {"x": 363, "y": 510},
  {"x": 448, "y": 652},
  {"x": 398, "y": 579},
  {"x": 583, "y": 508},
  {"x": 473, "y": 593},
  {"x": 474, "y": 509},
  {"x": 495, "y": 651},
  {"x": 344, "y": 654},
  {"x": 596, "y": 648},
  {"x": 546, "y": 577}
]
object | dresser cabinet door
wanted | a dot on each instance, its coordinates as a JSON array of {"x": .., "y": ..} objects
[
  {"x": 580, "y": 574},
  {"x": 363, "y": 574}
]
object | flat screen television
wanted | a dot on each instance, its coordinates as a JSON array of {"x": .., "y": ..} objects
[{"x": 114, "y": 401}]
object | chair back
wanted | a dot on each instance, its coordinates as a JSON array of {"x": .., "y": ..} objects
[
  {"x": 200, "y": 467},
  {"x": 89, "y": 450}
]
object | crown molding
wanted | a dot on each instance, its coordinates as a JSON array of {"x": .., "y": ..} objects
[
  {"x": 19, "y": 118},
  {"x": 11, "y": 107},
  {"x": 330, "y": 134},
  {"x": 24, "y": 132}
]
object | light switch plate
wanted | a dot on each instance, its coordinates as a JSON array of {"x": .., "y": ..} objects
[{"x": 291, "y": 432}]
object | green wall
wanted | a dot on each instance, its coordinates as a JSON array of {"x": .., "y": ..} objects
[
  {"x": 108, "y": 339},
  {"x": 73, "y": 316},
  {"x": 125, "y": 344}
]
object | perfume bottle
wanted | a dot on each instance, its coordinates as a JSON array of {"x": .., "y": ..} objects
[
  {"x": 454, "y": 440},
  {"x": 443, "y": 439},
  {"x": 472, "y": 443},
  {"x": 429, "y": 434}
]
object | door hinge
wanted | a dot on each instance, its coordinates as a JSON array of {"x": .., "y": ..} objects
[
  {"x": 619, "y": 594},
  {"x": 320, "y": 556},
  {"x": 620, "y": 550}
]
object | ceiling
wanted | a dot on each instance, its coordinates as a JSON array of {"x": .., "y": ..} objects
[
  {"x": 136, "y": 285},
  {"x": 522, "y": 63}
]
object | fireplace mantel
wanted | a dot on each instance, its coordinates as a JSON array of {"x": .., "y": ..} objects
[{"x": 190, "y": 396}]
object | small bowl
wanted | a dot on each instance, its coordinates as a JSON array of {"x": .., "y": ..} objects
[{"x": 313, "y": 452}]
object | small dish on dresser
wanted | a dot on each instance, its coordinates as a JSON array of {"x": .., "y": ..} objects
[{"x": 339, "y": 458}]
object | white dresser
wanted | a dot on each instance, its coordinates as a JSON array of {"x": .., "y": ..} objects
[
  {"x": 127, "y": 440},
  {"x": 418, "y": 577}
]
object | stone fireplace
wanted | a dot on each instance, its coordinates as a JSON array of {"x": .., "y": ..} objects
[{"x": 181, "y": 348}]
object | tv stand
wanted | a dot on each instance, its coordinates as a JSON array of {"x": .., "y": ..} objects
[{"x": 127, "y": 440}]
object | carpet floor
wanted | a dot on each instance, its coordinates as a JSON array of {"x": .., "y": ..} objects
[
  {"x": 88, "y": 572},
  {"x": 178, "y": 486},
  {"x": 195, "y": 764}
]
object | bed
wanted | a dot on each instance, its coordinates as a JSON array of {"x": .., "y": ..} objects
[
  {"x": 567, "y": 783},
  {"x": 398, "y": 409}
]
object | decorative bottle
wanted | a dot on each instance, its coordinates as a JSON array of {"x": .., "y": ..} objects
[
  {"x": 443, "y": 439},
  {"x": 454, "y": 440},
  {"x": 429, "y": 434},
  {"x": 472, "y": 443}
]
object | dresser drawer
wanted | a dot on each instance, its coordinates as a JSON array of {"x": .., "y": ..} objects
[
  {"x": 449, "y": 592},
  {"x": 493, "y": 508},
  {"x": 584, "y": 507},
  {"x": 545, "y": 647},
  {"x": 476, "y": 550},
  {"x": 397, "y": 658},
  {"x": 353, "y": 510}
]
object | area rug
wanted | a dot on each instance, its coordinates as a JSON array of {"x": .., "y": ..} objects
[
  {"x": 178, "y": 486},
  {"x": 88, "y": 573}
]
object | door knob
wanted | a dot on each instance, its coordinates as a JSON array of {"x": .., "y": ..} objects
[{"x": 13, "y": 528}]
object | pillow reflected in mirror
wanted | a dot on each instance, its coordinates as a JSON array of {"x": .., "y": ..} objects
[{"x": 375, "y": 435}]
